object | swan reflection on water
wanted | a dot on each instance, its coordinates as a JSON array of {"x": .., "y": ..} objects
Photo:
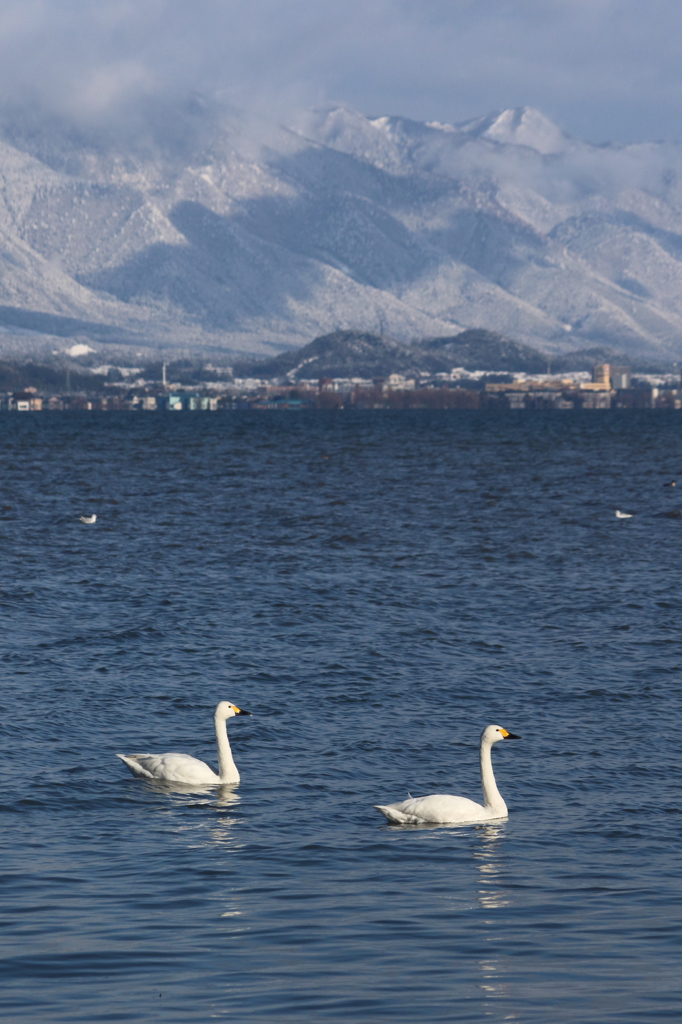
[
  {"x": 487, "y": 859},
  {"x": 217, "y": 796},
  {"x": 491, "y": 896},
  {"x": 491, "y": 982},
  {"x": 219, "y": 828}
]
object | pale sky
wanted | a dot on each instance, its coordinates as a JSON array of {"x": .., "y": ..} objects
[{"x": 604, "y": 70}]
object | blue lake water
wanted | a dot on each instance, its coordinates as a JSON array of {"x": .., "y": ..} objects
[{"x": 375, "y": 588}]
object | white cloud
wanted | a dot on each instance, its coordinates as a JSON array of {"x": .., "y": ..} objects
[
  {"x": 602, "y": 68},
  {"x": 78, "y": 350}
]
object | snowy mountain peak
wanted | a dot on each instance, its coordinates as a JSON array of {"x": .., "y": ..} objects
[
  {"x": 519, "y": 126},
  {"x": 258, "y": 238},
  {"x": 383, "y": 141}
]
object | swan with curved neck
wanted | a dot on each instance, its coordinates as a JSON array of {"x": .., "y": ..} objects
[
  {"x": 443, "y": 809},
  {"x": 184, "y": 768}
]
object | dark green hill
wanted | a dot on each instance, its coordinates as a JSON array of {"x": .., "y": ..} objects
[
  {"x": 478, "y": 349},
  {"x": 360, "y": 354},
  {"x": 586, "y": 358},
  {"x": 340, "y": 354}
]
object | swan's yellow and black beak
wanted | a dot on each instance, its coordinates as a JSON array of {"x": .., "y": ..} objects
[
  {"x": 509, "y": 735},
  {"x": 238, "y": 711}
]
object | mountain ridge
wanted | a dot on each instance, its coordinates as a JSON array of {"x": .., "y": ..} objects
[
  {"x": 362, "y": 355},
  {"x": 248, "y": 240}
]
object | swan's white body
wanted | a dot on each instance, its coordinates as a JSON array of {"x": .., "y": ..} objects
[
  {"x": 623, "y": 515},
  {"x": 443, "y": 809},
  {"x": 88, "y": 519},
  {"x": 184, "y": 768}
]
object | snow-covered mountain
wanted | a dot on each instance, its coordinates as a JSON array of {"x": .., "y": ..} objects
[{"x": 217, "y": 232}]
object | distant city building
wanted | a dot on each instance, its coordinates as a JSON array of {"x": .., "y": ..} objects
[
  {"x": 601, "y": 376},
  {"x": 620, "y": 378},
  {"x": 596, "y": 400},
  {"x": 396, "y": 382},
  {"x": 27, "y": 401}
]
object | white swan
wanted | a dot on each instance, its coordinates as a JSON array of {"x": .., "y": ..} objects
[
  {"x": 88, "y": 519},
  {"x": 441, "y": 808},
  {"x": 190, "y": 770},
  {"x": 623, "y": 515}
]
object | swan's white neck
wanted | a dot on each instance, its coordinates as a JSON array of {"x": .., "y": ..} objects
[
  {"x": 492, "y": 800},
  {"x": 227, "y": 769}
]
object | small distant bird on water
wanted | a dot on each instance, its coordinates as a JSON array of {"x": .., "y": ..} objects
[
  {"x": 623, "y": 515},
  {"x": 672, "y": 483},
  {"x": 88, "y": 519}
]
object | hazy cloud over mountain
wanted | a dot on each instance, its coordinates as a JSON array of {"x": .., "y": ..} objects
[
  {"x": 204, "y": 239},
  {"x": 603, "y": 69},
  {"x": 230, "y": 175}
]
